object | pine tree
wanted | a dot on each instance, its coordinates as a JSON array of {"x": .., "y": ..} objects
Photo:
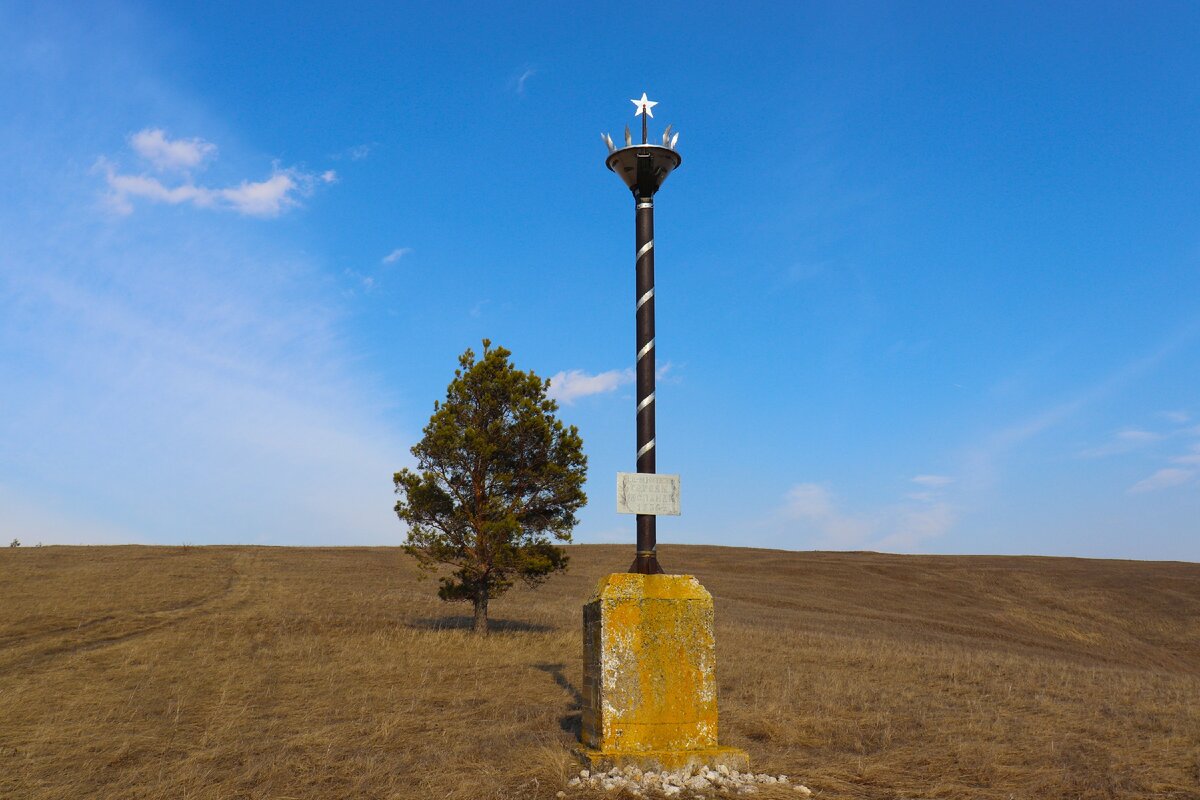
[{"x": 498, "y": 480}]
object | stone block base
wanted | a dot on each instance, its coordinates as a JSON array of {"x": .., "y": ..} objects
[
  {"x": 664, "y": 760},
  {"x": 649, "y": 676}
]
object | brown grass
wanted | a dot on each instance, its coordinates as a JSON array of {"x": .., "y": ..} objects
[{"x": 245, "y": 672}]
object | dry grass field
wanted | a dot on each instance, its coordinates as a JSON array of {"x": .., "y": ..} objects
[{"x": 306, "y": 674}]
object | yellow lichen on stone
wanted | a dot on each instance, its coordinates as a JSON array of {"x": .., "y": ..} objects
[{"x": 650, "y": 671}]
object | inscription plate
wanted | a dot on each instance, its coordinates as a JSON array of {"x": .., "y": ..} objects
[{"x": 645, "y": 493}]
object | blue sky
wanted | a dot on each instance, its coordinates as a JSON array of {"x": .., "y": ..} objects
[{"x": 928, "y": 279}]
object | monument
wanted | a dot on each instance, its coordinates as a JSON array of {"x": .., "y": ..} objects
[{"x": 649, "y": 657}]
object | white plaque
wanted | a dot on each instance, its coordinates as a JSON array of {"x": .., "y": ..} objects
[{"x": 644, "y": 493}]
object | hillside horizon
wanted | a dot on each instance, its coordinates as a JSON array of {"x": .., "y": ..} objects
[{"x": 571, "y": 545}]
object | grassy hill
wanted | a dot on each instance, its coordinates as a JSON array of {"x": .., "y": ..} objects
[{"x": 246, "y": 672}]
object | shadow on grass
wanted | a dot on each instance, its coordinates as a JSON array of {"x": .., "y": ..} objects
[
  {"x": 571, "y": 723},
  {"x": 465, "y": 623}
]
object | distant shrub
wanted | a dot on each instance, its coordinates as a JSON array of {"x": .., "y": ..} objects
[{"x": 15, "y": 543}]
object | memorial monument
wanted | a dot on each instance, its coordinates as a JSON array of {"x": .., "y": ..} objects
[{"x": 649, "y": 657}]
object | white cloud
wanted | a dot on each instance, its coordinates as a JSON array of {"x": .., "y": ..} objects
[
  {"x": 396, "y": 255},
  {"x": 525, "y": 76},
  {"x": 266, "y": 198},
  {"x": 1190, "y": 458},
  {"x": 567, "y": 387},
  {"x": 813, "y": 504},
  {"x": 356, "y": 153},
  {"x": 1139, "y": 436},
  {"x": 986, "y": 457},
  {"x": 236, "y": 361},
  {"x": 125, "y": 187},
  {"x": 914, "y": 525},
  {"x": 932, "y": 480},
  {"x": 899, "y": 526},
  {"x": 1163, "y": 479},
  {"x": 166, "y": 154},
  {"x": 1178, "y": 417},
  {"x": 1123, "y": 441}
]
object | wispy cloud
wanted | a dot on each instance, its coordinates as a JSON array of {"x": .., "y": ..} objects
[
  {"x": 396, "y": 255},
  {"x": 982, "y": 460},
  {"x": 1163, "y": 479},
  {"x": 166, "y": 154},
  {"x": 932, "y": 480},
  {"x": 1190, "y": 457},
  {"x": 1137, "y": 439},
  {"x": 1122, "y": 442},
  {"x": 813, "y": 504},
  {"x": 269, "y": 197},
  {"x": 523, "y": 78},
  {"x": 567, "y": 387},
  {"x": 816, "y": 512},
  {"x": 356, "y": 153},
  {"x": 134, "y": 350}
]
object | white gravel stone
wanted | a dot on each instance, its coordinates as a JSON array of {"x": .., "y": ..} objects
[{"x": 699, "y": 781}]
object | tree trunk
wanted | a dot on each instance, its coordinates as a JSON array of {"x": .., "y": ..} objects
[{"x": 481, "y": 619}]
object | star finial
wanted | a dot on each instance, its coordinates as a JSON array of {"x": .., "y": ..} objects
[{"x": 644, "y": 105}]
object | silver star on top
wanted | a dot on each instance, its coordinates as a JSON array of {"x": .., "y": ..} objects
[{"x": 645, "y": 104}]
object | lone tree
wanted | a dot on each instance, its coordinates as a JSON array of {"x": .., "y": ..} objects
[{"x": 498, "y": 478}]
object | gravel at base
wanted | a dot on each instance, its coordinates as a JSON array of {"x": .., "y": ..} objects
[{"x": 688, "y": 782}]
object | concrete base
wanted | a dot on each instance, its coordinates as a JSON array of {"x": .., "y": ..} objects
[
  {"x": 649, "y": 676},
  {"x": 665, "y": 760}
]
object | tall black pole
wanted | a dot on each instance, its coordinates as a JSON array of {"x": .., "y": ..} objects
[
  {"x": 646, "y": 561},
  {"x": 643, "y": 168}
]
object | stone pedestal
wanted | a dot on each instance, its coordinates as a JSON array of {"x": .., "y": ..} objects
[{"x": 649, "y": 676}]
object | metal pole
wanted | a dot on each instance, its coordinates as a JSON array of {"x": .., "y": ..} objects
[
  {"x": 646, "y": 561},
  {"x": 643, "y": 168}
]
